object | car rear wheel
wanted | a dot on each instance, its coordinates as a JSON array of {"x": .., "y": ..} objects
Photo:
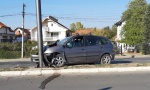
[
  {"x": 106, "y": 59},
  {"x": 58, "y": 61}
]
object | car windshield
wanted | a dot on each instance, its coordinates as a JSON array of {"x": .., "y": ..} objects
[{"x": 63, "y": 40}]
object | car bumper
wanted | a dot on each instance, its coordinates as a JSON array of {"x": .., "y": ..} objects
[{"x": 34, "y": 58}]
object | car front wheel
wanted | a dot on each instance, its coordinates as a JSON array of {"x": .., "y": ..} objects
[
  {"x": 106, "y": 59},
  {"x": 58, "y": 61}
]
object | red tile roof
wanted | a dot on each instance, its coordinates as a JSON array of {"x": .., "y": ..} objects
[{"x": 2, "y": 25}]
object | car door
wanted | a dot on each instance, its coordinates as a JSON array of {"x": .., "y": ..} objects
[
  {"x": 75, "y": 50},
  {"x": 93, "y": 48}
]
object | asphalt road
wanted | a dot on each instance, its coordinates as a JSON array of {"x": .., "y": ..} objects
[
  {"x": 97, "y": 81},
  {"x": 28, "y": 63},
  {"x": 132, "y": 60}
]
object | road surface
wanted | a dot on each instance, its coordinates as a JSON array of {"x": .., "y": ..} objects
[{"x": 96, "y": 81}]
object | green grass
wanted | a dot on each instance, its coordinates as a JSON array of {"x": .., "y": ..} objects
[
  {"x": 14, "y": 69},
  {"x": 106, "y": 65}
]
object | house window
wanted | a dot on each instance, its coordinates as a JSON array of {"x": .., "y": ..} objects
[
  {"x": 4, "y": 37},
  {"x": 54, "y": 34},
  {"x": 11, "y": 37}
]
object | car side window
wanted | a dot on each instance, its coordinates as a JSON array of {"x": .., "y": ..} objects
[
  {"x": 77, "y": 42},
  {"x": 103, "y": 40},
  {"x": 91, "y": 41}
]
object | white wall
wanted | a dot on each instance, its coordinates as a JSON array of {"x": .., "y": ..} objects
[
  {"x": 119, "y": 37},
  {"x": 52, "y": 27},
  {"x": 55, "y": 27},
  {"x": 2, "y": 30},
  {"x": 119, "y": 29}
]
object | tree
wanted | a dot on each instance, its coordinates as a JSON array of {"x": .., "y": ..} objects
[
  {"x": 79, "y": 26},
  {"x": 146, "y": 32},
  {"x": 133, "y": 16},
  {"x": 106, "y": 28},
  {"x": 113, "y": 32},
  {"x": 73, "y": 27}
]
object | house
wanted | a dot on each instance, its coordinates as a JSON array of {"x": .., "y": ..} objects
[
  {"x": 18, "y": 34},
  {"x": 119, "y": 25},
  {"x": 123, "y": 46},
  {"x": 6, "y": 33},
  {"x": 52, "y": 31}
]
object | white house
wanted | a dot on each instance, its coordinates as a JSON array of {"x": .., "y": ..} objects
[
  {"x": 52, "y": 30},
  {"x": 119, "y": 37},
  {"x": 6, "y": 33}
]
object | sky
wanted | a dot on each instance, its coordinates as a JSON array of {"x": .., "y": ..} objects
[{"x": 91, "y": 13}]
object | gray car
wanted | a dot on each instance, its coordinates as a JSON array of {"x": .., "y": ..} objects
[{"x": 79, "y": 49}]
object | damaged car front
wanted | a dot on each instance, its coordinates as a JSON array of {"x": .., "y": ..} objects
[{"x": 53, "y": 54}]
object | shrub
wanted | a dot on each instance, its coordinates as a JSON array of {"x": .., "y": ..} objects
[
  {"x": 13, "y": 50},
  {"x": 9, "y": 54}
]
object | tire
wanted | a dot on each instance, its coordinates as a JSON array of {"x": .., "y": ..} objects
[
  {"x": 105, "y": 59},
  {"x": 58, "y": 61}
]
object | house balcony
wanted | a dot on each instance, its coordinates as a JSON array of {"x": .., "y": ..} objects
[{"x": 46, "y": 39}]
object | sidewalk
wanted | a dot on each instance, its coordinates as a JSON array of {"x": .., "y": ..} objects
[{"x": 46, "y": 71}]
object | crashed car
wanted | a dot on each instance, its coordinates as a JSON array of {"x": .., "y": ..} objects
[{"x": 78, "y": 49}]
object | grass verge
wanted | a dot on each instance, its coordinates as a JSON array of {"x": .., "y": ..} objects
[
  {"x": 14, "y": 69},
  {"x": 106, "y": 66}
]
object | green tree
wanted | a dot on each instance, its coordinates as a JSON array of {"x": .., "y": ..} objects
[
  {"x": 133, "y": 16},
  {"x": 146, "y": 32},
  {"x": 73, "y": 27},
  {"x": 79, "y": 26},
  {"x": 106, "y": 28},
  {"x": 113, "y": 32}
]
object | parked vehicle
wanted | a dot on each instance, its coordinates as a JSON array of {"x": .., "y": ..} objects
[
  {"x": 131, "y": 48},
  {"x": 79, "y": 49}
]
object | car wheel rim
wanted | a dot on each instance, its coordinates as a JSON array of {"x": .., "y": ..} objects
[
  {"x": 106, "y": 60},
  {"x": 58, "y": 61}
]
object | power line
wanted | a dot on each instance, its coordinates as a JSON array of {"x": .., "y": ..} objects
[
  {"x": 8, "y": 15},
  {"x": 89, "y": 19}
]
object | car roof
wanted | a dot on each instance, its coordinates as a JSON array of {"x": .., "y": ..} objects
[{"x": 90, "y": 35}]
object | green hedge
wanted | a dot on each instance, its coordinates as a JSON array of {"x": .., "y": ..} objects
[
  {"x": 13, "y": 50},
  {"x": 9, "y": 54}
]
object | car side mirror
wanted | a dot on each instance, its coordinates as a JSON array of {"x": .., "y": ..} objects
[{"x": 69, "y": 45}]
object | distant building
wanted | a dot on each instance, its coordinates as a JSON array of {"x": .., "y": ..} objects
[
  {"x": 125, "y": 47},
  {"x": 52, "y": 30},
  {"x": 18, "y": 34},
  {"x": 6, "y": 33}
]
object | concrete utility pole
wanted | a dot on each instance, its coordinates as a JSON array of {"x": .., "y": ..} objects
[
  {"x": 23, "y": 12},
  {"x": 40, "y": 37}
]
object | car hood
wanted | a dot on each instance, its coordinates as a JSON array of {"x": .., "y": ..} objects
[{"x": 58, "y": 48}]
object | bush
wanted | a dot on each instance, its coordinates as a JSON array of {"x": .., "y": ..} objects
[
  {"x": 13, "y": 50},
  {"x": 9, "y": 54}
]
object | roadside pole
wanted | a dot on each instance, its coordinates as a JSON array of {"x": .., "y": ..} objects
[
  {"x": 39, "y": 27},
  {"x": 23, "y": 12}
]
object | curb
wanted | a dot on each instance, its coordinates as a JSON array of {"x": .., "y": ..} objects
[{"x": 72, "y": 71}]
